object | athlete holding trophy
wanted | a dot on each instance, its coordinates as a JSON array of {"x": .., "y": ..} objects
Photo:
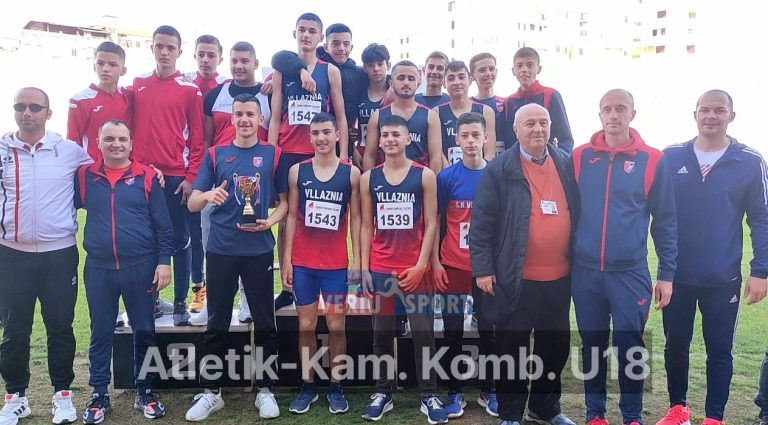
[{"x": 240, "y": 244}]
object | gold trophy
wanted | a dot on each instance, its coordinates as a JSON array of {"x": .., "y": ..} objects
[{"x": 249, "y": 186}]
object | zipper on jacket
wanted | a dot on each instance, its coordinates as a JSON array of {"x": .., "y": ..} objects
[
  {"x": 17, "y": 203},
  {"x": 35, "y": 233},
  {"x": 114, "y": 236},
  {"x": 605, "y": 213}
]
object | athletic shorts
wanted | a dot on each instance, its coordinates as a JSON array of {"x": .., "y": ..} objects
[{"x": 309, "y": 283}]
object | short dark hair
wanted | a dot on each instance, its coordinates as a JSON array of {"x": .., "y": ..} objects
[
  {"x": 39, "y": 90},
  {"x": 209, "y": 39},
  {"x": 243, "y": 46},
  {"x": 405, "y": 63},
  {"x": 393, "y": 121},
  {"x": 438, "y": 54},
  {"x": 110, "y": 47},
  {"x": 167, "y": 30},
  {"x": 526, "y": 52},
  {"x": 310, "y": 17},
  {"x": 322, "y": 117},
  {"x": 719, "y": 93},
  {"x": 114, "y": 122},
  {"x": 245, "y": 98},
  {"x": 337, "y": 29},
  {"x": 456, "y": 66},
  {"x": 477, "y": 58},
  {"x": 375, "y": 53},
  {"x": 470, "y": 118}
]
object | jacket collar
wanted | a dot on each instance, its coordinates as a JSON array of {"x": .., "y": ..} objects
[
  {"x": 531, "y": 91},
  {"x": 47, "y": 142},
  {"x": 173, "y": 76},
  {"x": 730, "y": 151},
  {"x": 512, "y": 169},
  {"x": 134, "y": 170},
  {"x": 600, "y": 145}
]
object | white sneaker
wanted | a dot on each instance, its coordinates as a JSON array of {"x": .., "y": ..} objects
[
  {"x": 63, "y": 410},
  {"x": 200, "y": 319},
  {"x": 15, "y": 408},
  {"x": 205, "y": 404},
  {"x": 244, "y": 315},
  {"x": 267, "y": 405}
]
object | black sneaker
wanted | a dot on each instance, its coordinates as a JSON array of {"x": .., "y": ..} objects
[
  {"x": 149, "y": 405},
  {"x": 97, "y": 409},
  {"x": 283, "y": 300},
  {"x": 180, "y": 314}
]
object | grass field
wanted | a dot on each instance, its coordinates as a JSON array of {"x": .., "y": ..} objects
[{"x": 751, "y": 343}]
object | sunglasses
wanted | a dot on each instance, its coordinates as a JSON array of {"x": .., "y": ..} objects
[{"x": 34, "y": 107}]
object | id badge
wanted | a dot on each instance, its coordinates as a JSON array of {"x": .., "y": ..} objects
[{"x": 549, "y": 207}]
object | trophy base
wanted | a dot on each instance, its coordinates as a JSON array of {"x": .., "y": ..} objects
[{"x": 248, "y": 221}]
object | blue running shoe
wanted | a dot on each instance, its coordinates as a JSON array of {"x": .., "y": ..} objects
[
  {"x": 380, "y": 404},
  {"x": 455, "y": 404},
  {"x": 303, "y": 401},
  {"x": 433, "y": 409},
  {"x": 488, "y": 400},
  {"x": 337, "y": 403}
]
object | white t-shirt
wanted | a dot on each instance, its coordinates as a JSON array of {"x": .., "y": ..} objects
[{"x": 707, "y": 159}]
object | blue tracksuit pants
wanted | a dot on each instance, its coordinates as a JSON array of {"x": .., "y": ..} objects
[{"x": 623, "y": 297}]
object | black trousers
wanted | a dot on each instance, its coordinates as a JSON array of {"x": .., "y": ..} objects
[
  {"x": 224, "y": 272},
  {"x": 544, "y": 308},
  {"x": 50, "y": 277},
  {"x": 453, "y": 331}
]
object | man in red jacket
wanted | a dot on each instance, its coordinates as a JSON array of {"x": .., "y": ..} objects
[
  {"x": 168, "y": 133},
  {"x": 622, "y": 183},
  {"x": 107, "y": 100}
]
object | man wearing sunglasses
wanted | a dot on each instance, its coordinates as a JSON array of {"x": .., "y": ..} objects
[{"x": 38, "y": 254}]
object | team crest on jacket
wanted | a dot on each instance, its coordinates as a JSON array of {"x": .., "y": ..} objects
[
  {"x": 629, "y": 166},
  {"x": 257, "y": 161},
  {"x": 130, "y": 181}
]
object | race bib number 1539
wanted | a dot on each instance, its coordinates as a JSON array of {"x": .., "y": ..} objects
[{"x": 395, "y": 215}]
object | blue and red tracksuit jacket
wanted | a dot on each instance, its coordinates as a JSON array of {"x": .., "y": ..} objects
[
  {"x": 547, "y": 97},
  {"x": 620, "y": 189},
  {"x": 127, "y": 224},
  {"x": 711, "y": 213}
]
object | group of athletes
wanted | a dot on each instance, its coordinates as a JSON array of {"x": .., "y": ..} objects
[{"x": 198, "y": 169}]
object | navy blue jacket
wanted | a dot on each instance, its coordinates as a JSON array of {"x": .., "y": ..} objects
[
  {"x": 546, "y": 97},
  {"x": 711, "y": 212},
  {"x": 619, "y": 190},
  {"x": 128, "y": 224}
]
